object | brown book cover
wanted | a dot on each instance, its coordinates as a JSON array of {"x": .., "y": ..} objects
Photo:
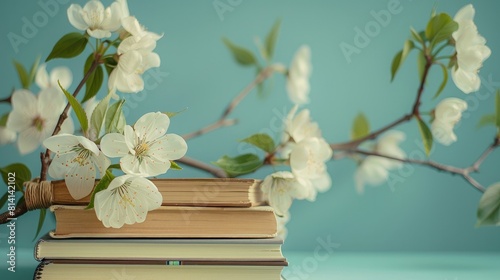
[
  {"x": 171, "y": 221},
  {"x": 222, "y": 192}
]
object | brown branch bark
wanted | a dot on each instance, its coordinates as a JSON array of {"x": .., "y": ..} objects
[
  {"x": 353, "y": 144},
  {"x": 217, "y": 172}
]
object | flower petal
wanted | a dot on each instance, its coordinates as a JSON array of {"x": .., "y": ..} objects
[
  {"x": 130, "y": 165},
  {"x": 80, "y": 179},
  {"x": 23, "y": 101},
  {"x": 113, "y": 145},
  {"x": 62, "y": 75},
  {"x": 99, "y": 33},
  {"x": 152, "y": 126},
  {"x": 42, "y": 77},
  {"x": 170, "y": 147},
  {"x": 75, "y": 17},
  {"x": 61, "y": 144},
  {"x": 29, "y": 140}
]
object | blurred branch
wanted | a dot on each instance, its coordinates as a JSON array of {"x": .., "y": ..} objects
[
  {"x": 217, "y": 172},
  {"x": 463, "y": 172},
  {"x": 223, "y": 121}
]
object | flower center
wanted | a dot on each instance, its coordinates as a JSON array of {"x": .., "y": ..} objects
[
  {"x": 141, "y": 149},
  {"x": 82, "y": 155},
  {"x": 124, "y": 195},
  {"x": 38, "y": 123}
]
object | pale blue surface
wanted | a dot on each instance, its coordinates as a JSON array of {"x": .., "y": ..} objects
[{"x": 425, "y": 211}]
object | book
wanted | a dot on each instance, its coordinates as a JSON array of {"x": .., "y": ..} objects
[
  {"x": 63, "y": 271},
  {"x": 171, "y": 221},
  {"x": 160, "y": 250},
  {"x": 223, "y": 192}
]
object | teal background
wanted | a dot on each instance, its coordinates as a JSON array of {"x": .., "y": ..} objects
[{"x": 422, "y": 211}]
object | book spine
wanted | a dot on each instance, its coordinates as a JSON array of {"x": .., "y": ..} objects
[{"x": 39, "y": 270}]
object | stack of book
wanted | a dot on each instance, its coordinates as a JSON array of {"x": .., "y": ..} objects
[{"x": 205, "y": 229}]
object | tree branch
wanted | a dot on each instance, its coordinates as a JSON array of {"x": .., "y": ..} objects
[
  {"x": 219, "y": 173},
  {"x": 45, "y": 159},
  {"x": 223, "y": 121},
  {"x": 463, "y": 172},
  {"x": 353, "y": 144}
]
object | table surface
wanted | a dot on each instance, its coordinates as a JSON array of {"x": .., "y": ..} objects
[{"x": 354, "y": 266}]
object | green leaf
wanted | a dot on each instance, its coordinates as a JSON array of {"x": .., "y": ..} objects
[
  {"x": 174, "y": 165},
  {"x": 94, "y": 81},
  {"x": 70, "y": 45},
  {"x": 396, "y": 62},
  {"x": 488, "y": 212},
  {"x": 33, "y": 70},
  {"x": 421, "y": 62},
  {"x": 240, "y": 54},
  {"x": 485, "y": 120},
  {"x": 77, "y": 107},
  {"x": 173, "y": 114},
  {"x": 102, "y": 185},
  {"x": 23, "y": 75},
  {"x": 416, "y": 35},
  {"x": 115, "y": 120},
  {"x": 3, "y": 120},
  {"x": 360, "y": 127},
  {"x": 41, "y": 219},
  {"x": 261, "y": 141},
  {"x": 400, "y": 57},
  {"x": 239, "y": 165},
  {"x": 497, "y": 109},
  {"x": 19, "y": 171},
  {"x": 115, "y": 166},
  {"x": 440, "y": 28},
  {"x": 444, "y": 82},
  {"x": 426, "y": 134},
  {"x": 98, "y": 116},
  {"x": 271, "y": 39}
]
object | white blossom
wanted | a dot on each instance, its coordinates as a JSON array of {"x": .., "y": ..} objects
[
  {"x": 127, "y": 200},
  {"x": 144, "y": 149},
  {"x": 7, "y": 135},
  {"x": 308, "y": 162},
  {"x": 35, "y": 117},
  {"x": 60, "y": 74},
  {"x": 471, "y": 51},
  {"x": 135, "y": 57},
  {"x": 281, "y": 222},
  {"x": 298, "y": 76},
  {"x": 98, "y": 21},
  {"x": 300, "y": 126},
  {"x": 446, "y": 115},
  {"x": 77, "y": 159},
  {"x": 281, "y": 188},
  {"x": 126, "y": 77},
  {"x": 374, "y": 170}
]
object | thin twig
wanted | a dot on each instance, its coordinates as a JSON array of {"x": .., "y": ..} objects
[
  {"x": 475, "y": 166},
  {"x": 407, "y": 117},
  {"x": 223, "y": 121},
  {"x": 217, "y": 172},
  {"x": 432, "y": 164}
]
